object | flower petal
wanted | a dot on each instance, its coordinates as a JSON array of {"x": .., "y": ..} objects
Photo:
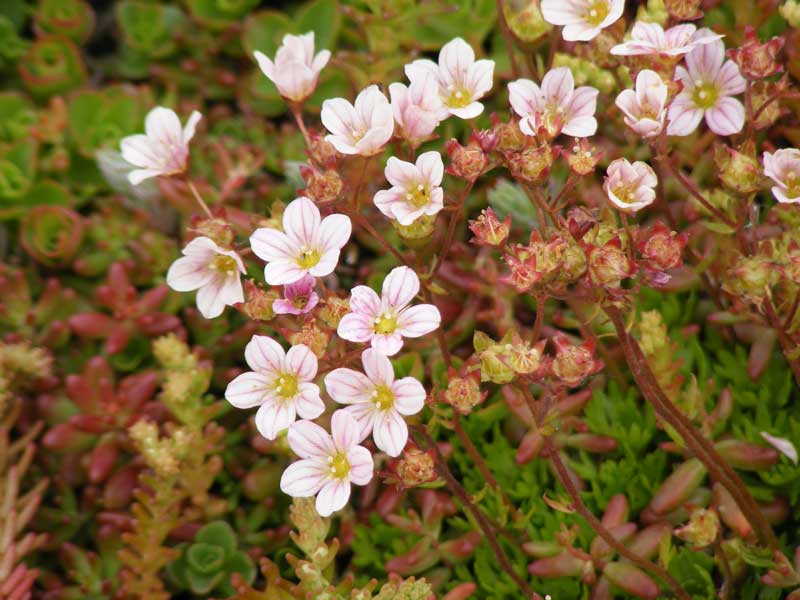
[
  {"x": 377, "y": 367},
  {"x": 347, "y": 386},
  {"x": 364, "y": 300},
  {"x": 390, "y": 432},
  {"x": 388, "y": 344},
  {"x": 418, "y": 320},
  {"x": 409, "y": 396},
  {"x": 400, "y": 286},
  {"x": 308, "y": 403},
  {"x": 356, "y": 327},
  {"x": 309, "y": 440},
  {"x": 247, "y": 390},
  {"x": 332, "y": 497},
  {"x": 273, "y": 417},
  {"x": 263, "y": 354},
  {"x": 303, "y": 478},
  {"x": 189, "y": 273},
  {"x": 344, "y": 430},
  {"x": 782, "y": 445},
  {"x": 270, "y": 244},
  {"x": 727, "y": 117},
  {"x": 361, "y": 465},
  {"x": 334, "y": 231},
  {"x": 300, "y": 222},
  {"x": 302, "y": 361}
]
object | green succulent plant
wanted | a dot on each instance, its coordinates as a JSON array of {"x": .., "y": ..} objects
[{"x": 206, "y": 565}]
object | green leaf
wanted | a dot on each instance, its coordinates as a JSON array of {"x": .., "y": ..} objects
[
  {"x": 508, "y": 198},
  {"x": 218, "y": 533},
  {"x": 324, "y": 19},
  {"x": 205, "y": 558}
]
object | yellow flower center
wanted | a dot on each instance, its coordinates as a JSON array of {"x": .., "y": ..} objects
[
  {"x": 308, "y": 258},
  {"x": 300, "y": 301},
  {"x": 383, "y": 397},
  {"x": 625, "y": 193},
  {"x": 419, "y": 196},
  {"x": 224, "y": 264},
  {"x": 705, "y": 95},
  {"x": 792, "y": 185},
  {"x": 340, "y": 466},
  {"x": 596, "y": 13},
  {"x": 385, "y": 324},
  {"x": 286, "y": 386},
  {"x": 458, "y": 97}
]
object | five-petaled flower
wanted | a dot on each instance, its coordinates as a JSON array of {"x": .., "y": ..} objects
[
  {"x": 416, "y": 188},
  {"x": 417, "y": 108},
  {"x": 709, "y": 81},
  {"x": 630, "y": 187},
  {"x": 280, "y": 384},
  {"x": 308, "y": 244},
  {"x": 361, "y": 128},
  {"x": 377, "y": 401},
  {"x": 296, "y": 69},
  {"x": 164, "y": 147},
  {"x": 556, "y": 107},
  {"x": 645, "y": 106},
  {"x": 583, "y": 20},
  {"x": 299, "y": 297},
  {"x": 386, "y": 319},
  {"x": 462, "y": 80},
  {"x": 651, "y": 39},
  {"x": 783, "y": 167},
  {"x": 329, "y": 462},
  {"x": 213, "y": 271}
]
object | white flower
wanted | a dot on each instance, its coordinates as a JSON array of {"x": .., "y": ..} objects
[
  {"x": 709, "y": 81},
  {"x": 376, "y": 400},
  {"x": 386, "y": 319},
  {"x": 645, "y": 107},
  {"x": 213, "y": 271},
  {"x": 650, "y": 38},
  {"x": 296, "y": 70},
  {"x": 630, "y": 187},
  {"x": 583, "y": 20},
  {"x": 556, "y": 107},
  {"x": 329, "y": 462},
  {"x": 362, "y": 128},
  {"x": 462, "y": 80},
  {"x": 308, "y": 244},
  {"x": 417, "y": 188},
  {"x": 164, "y": 147},
  {"x": 280, "y": 384},
  {"x": 783, "y": 167}
]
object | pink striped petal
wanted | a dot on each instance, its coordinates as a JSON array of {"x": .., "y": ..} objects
[
  {"x": 400, "y": 287},
  {"x": 365, "y": 300},
  {"x": 418, "y": 320},
  {"x": 332, "y": 497},
  {"x": 355, "y": 327},
  {"x": 344, "y": 430},
  {"x": 309, "y": 440},
  {"x": 247, "y": 390},
  {"x": 378, "y": 368},
  {"x": 347, "y": 386},
  {"x": 308, "y": 403},
  {"x": 726, "y": 118},
  {"x": 388, "y": 344},
  {"x": 390, "y": 432},
  {"x": 409, "y": 396},
  {"x": 303, "y": 478},
  {"x": 361, "y": 465},
  {"x": 302, "y": 361},
  {"x": 263, "y": 354}
]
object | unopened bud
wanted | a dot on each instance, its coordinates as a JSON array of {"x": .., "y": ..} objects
[
  {"x": 258, "y": 304},
  {"x": 531, "y": 165},
  {"x": 321, "y": 151},
  {"x": 702, "y": 529},
  {"x": 756, "y": 60},
  {"x": 322, "y": 186},
  {"x": 609, "y": 264},
  {"x": 467, "y": 162},
  {"x": 415, "y": 467},
  {"x": 464, "y": 393},
  {"x": 509, "y": 136},
  {"x": 661, "y": 248},
  {"x": 312, "y": 336},
  {"x": 332, "y": 309},
  {"x": 573, "y": 364},
  {"x": 684, "y": 10},
  {"x": 739, "y": 171},
  {"x": 218, "y": 230},
  {"x": 488, "y": 230}
]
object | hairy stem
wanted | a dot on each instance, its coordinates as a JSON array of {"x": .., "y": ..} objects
[
  {"x": 451, "y": 228},
  {"x": 699, "y": 445},
  {"x": 600, "y": 529}
]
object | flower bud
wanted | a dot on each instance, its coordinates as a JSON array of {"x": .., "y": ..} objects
[
  {"x": 322, "y": 186},
  {"x": 751, "y": 276},
  {"x": 661, "y": 248},
  {"x": 467, "y": 162},
  {"x": 464, "y": 393},
  {"x": 332, "y": 309},
  {"x": 522, "y": 268},
  {"x": 494, "y": 359},
  {"x": 608, "y": 264},
  {"x": 217, "y": 230},
  {"x": 756, "y": 60},
  {"x": 259, "y": 302},
  {"x": 573, "y": 364},
  {"x": 531, "y": 165},
  {"x": 488, "y": 230},
  {"x": 740, "y": 172},
  {"x": 684, "y": 10},
  {"x": 321, "y": 151},
  {"x": 763, "y": 92},
  {"x": 312, "y": 336},
  {"x": 509, "y": 136},
  {"x": 415, "y": 467},
  {"x": 790, "y": 10},
  {"x": 702, "y": 529}
]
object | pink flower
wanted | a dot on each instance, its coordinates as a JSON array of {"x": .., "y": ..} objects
[
  {"x": 645, "y": 107},
  {"x": 307, "y": 245},
  {"x": 416, "y": 190},
  {"x": 299, "y": 299},
  {"x": 363, "y": 128},
  {"x": 783, "y": 167},
  {"x": 556, "y": 107},
  {"x": 376, "y": 401},
  {"x": 329, "y": 462},
  {"x": 280, "y": 384},
  {"x": 462, "y": 80},
  {"x": 296, "y": 70},
  {"x": 583, "y": 20},
  {"x": 416, "y": 108},
  {"x": 213, "y": 271},
  {"x": 384, "y": 321},
  {"x": 164, "y": 147},
  {"x": 630, "y": 186},
  {"x": 709, "y": 81},
  {"x": 650, "y": 38}
]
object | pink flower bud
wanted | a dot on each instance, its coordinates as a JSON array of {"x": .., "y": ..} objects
[
  {"x": 573, "y": 364},
  {"x": 322, "y": 186},
  {"x": 464, "y": 393},
  {"x": 608, "y": 264},
  {"x": 756, "y": 60},
  {"x": 661, "y": 248},
  {"x": 415, "y": 467},
  {"x": 531, "y": 165},
  {"x": 467, "y": 162},
  {"x": 488, "y": 230}
]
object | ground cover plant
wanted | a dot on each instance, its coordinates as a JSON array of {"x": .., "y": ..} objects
[{"x": 399, "y": 299}]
